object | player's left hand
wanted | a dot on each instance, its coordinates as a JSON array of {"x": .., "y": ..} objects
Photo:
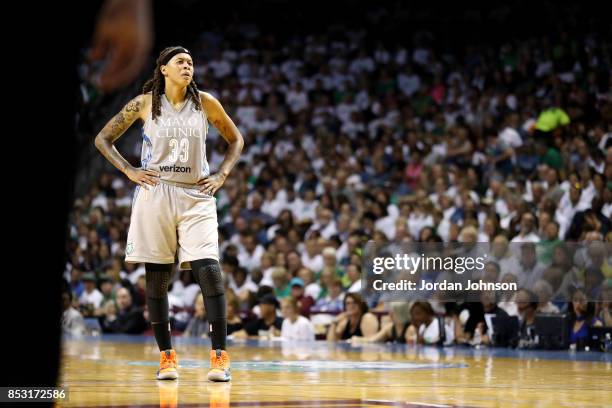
[{"x": 212, "y": 183}]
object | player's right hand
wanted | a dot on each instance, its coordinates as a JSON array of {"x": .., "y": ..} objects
[{"x": 143, "y": 177}]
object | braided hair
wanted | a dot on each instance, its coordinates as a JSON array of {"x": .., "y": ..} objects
[{"x": 156, "y": 86}]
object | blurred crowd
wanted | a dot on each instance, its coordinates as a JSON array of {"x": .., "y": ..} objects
[{"x": 349, "y": 140}]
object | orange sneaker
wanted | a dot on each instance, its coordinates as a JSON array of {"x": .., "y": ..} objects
[
  {"x": 168, "y": 364},
  {"x": 219, "y": 366}
]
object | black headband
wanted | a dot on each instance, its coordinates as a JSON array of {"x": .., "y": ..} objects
[{"x": 178, "y": 50}]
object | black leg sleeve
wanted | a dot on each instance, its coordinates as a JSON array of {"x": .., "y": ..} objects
[
  {"x": 157, "y": 279},
  {"x": 207, "y": 272}
]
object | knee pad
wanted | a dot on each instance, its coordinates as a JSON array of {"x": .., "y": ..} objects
[
  {"x": 207, "y": 272},
  {"x": 157, "y": 278}
]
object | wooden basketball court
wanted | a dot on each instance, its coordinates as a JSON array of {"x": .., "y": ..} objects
[{"x": 120, "y": 371}]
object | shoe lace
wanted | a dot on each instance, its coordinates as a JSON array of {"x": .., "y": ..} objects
[
  {"x": 221, "y": 361},
  {"x": 166, "y": 361}
]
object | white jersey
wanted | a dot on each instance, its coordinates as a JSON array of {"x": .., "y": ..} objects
[{"x": 174, "y": 144}]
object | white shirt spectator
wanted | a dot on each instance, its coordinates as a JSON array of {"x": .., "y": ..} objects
[
  {"x": 297, "y": 100},
  {"x": 431, "y": 332},
  {"x": 136, "y": 273},
  {"x": 314, "y": 263},
  {"x": 511, "y": 137},
  {"x": 273, "y": 207},
  {"x": 247, "y": 285},
  {"x": 355, "y": 287},
  {"x": 125, "y": 201},
  {"x": 246, "y": 115},
  {"x": 548, "y": 308},
  {"x": 416, "y": 222},
  {"x": 73, "y": 322},
  {"x": 408, "y": 83},
  {"x": 387, "y": 225},
  {"x": 566, "y": 211},
  {"x": 607, "y": 210},
  {"x": 313, "y": 290},
  {"x": 604, "y": 141},
  {"x": 186, "y": 293},
  {"x": 344, "y": 111},
  {"x": 251, "y": 260},
  {"x": 301, "y": 329},
  {"x": 510, "y": 307},
  {"x": 329, "y": 230},
  {"x": 364, "y": 63},
  {"x": 176, "y": 302},
  {"x": 528, "y": 277},
  {"x": 530, "y": 237},
  {"x": 303, "y": 210},
  {"x": 220, "y": 67},
  {"x": 508, "y": 264},
  {"x": 352, "y": 128},
  {"x": 94, "y": 298},
  {"x": 100, "y": 201}
]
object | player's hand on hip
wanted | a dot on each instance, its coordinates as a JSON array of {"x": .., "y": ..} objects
[
  {"x": 212, "y": 183},
  {"x": 143, "y": 177}
]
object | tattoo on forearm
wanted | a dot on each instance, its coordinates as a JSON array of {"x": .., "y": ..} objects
[
  {"x": 114, "y": 129},
  {"x": 229, "y": 132},
  {"x": 118, "y": 124},
  {"x": 133, "y": 106},
  {"x": 222, "y": 127}
]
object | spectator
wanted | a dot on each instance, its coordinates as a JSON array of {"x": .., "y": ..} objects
[
  {"x": 185, "y": 288},
  {"x": 582, "y": 318},
  {"x": 76, "y": 283},
  {"x": 234, "y": 322},
  {"x": 355, "y": 320},
  {"x": 295, "y": 326},
  {"x": 198, "y": 324},
  {"x": 425, "y": 326},
  {"x": 333, "y": 302},
  {"x": 528, "y": 229},
  {"x": 353, "y": 272},
  {"x": 527, "y": 305},
  {"x": 303, "y": 301},
  {"x": 107, "y": 289},
  {"x": 91, "y": 298},
  {"x": 544, "y": 292},
  {"x": 491, "y": 310},
  {"x": 280, "y": 279},
  {"x": 127, "y": 319},
  {"x": 396, "y": 331},
  {"x": 530, "y": 270},
  {"x": 72, "y": 320},
  {"x": 242, "y": 285},
  {"x": 311, "y": 258},
  {"x": 250, "y": 256},
  {"x": 268, "y": 325},
  {"x": 312, "y": 288}
]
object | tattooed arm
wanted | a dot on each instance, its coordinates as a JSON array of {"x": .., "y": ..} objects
[
  {"x": 217, "y": 116},
  {"x": 132, "y": 111}
]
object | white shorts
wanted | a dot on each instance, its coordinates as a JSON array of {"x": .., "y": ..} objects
[{"x": 166, "y": 216}]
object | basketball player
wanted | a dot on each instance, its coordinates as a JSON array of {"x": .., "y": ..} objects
[{"x": 174, "y": 205}]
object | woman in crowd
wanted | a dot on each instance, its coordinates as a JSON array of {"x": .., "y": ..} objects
[
  {"x": 396, "y": 331},
  {"x": 354, "y": 321},
  {"x": 582, "y": 318},
  {"x": 426, "y": 327}
]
